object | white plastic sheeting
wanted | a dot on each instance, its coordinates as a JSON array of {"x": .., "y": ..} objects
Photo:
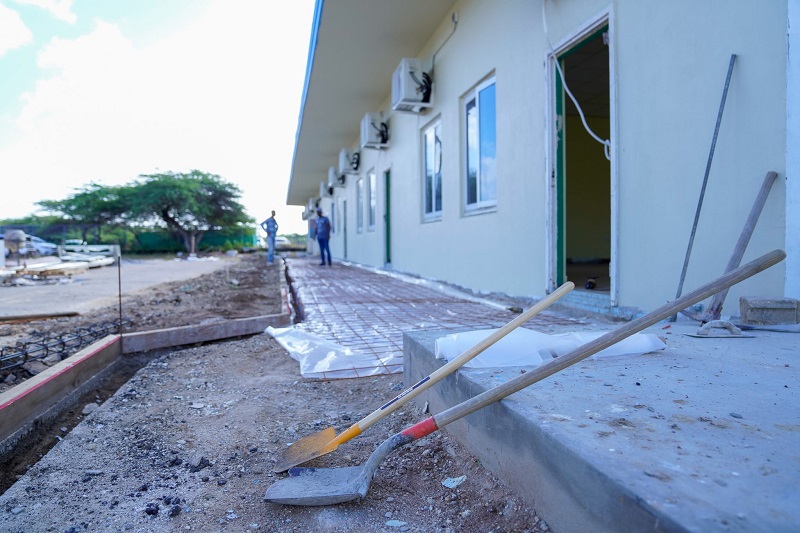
[
  {"x": 525, "y": 347},
  {"x": 322, "y": 359}
]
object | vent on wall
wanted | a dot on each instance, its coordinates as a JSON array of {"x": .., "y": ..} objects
[
  {"x": 349, "y": 161},
  {"x": 374, "y": 131},
  {"x": 411, "y": 87},
  {"x": 335, "y": 179}
]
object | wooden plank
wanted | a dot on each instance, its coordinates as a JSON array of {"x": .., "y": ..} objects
[
  {"x": 21, "y": 405},
  {"x": 164, "y": 338},
  {"x": 42, "y": 316}
]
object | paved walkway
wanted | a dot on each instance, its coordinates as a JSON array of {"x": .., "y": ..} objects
[{"x": 367, "y": 310}]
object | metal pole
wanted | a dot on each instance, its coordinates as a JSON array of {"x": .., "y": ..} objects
[{"x": 705, "y": 182}]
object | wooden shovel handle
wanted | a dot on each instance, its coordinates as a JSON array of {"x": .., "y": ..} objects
[
  {"x": 612, "y": 337},
  {"x": 434, "y": 378}
]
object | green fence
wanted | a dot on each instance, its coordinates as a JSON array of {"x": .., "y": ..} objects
[{"x": 163, "y": 241}]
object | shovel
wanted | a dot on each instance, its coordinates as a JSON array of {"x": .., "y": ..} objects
[
  {"x": 329, "y": 486},
  {"x": 326, "y": 441}
]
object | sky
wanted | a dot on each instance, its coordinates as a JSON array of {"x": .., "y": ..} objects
[{"x": 102, "y": 91}]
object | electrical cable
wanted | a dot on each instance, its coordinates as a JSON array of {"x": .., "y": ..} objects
[{"x": 605, "y": 142}]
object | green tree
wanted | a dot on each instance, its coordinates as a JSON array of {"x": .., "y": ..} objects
[
  {"x": 187, "y": 204},
  {"x": 92, "y": 206}
]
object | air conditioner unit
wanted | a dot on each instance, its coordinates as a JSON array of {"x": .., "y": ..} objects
[
  {"x": 374, "y": 131},
  {"x": 349, "y": 161},
  {"x": 335, "y": 179},
  {"x": 311, "y": 208},
  {"x": 325, "y": 190},
  {"x": 411, "y": 87}
]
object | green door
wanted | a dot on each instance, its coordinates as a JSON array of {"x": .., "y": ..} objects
[{"x": 387, "y": 218}]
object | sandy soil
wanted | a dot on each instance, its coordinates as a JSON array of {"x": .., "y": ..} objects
[{"x": 188, "y": 442}]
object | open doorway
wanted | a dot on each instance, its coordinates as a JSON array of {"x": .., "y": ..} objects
[{"x": 582, "y": 171}]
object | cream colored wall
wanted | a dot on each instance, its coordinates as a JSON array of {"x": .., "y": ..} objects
[
  {"x": 672, "y": 61},
  {"x": 500, "y": 250},
  {"x": 669, "y": 65}
]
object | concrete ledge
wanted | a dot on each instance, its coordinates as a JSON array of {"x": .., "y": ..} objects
[
  {"x": 164, "y": 338},
  {"x": 22, "y": 406},
  {"x": 682, "y": 440}
]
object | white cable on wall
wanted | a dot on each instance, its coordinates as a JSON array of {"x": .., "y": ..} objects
[{"x": 605, "y": 142}]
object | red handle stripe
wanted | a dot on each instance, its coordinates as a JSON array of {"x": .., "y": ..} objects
[{"x": 420, "y": 429}]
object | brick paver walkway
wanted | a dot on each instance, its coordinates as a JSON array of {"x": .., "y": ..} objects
[{"x": 368, "y": 310}]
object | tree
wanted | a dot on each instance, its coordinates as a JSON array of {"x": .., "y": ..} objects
[
  {"x": 188, "y": 204},
  {"x": 91, "y": 206}
]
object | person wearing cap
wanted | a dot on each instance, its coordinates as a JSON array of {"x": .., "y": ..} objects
[{"x": 323, "y": 235}]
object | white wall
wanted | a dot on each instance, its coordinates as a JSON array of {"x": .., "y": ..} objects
[
  {"x": 793, "y": 153},
  {"x": 672, "y": 62}
]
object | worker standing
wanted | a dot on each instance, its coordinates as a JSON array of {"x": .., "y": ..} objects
[{"x": 271, "y": 227}]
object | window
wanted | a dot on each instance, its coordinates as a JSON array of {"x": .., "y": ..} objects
[
  {"x": 432, "y": 171},
  {"x": 481, "y": 139},
  {"x": 360, "y": 205},
  {"x": 372, "y": 199}
]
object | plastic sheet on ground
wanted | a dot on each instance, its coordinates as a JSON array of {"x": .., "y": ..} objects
[
  {"x": 323, "y": 359},
  {"x": 525, "y": 347}
]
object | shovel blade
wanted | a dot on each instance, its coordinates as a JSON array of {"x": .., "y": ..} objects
[
  {"x": 305, "y": 449},
  {"x": 320, "y": 486}
]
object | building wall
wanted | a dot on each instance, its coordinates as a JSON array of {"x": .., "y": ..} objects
[
  {"x": 669, "y": 65},
  {"x": 670, "y": 79}
]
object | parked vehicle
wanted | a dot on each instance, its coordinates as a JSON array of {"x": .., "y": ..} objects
[
  {"x": 41, "y": 246},
  {"x": 33, "y": 246}
]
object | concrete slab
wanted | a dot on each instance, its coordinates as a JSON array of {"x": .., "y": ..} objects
[
  {"x": 703, "y": 436},
  {"x": 22, "y": 406}
]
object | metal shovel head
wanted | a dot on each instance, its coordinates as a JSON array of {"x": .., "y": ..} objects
[
  {"x": 329, "y": 486},
  {"x": 320, "y": 486},
  {"x": 305, "y": 449}
]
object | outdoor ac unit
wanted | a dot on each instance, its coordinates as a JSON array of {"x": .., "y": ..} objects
[
  {"x": 374, "y": 131},
  {"x": 325, "y": 190},
  {"x": 349, "y": 161},
  {"x": 411, "y": 87},
  {"x": 310, "y": 209},
  {"x": 335, "y": 179}
]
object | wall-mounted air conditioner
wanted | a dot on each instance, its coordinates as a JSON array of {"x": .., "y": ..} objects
[
  {"x": 374, "y": 131},
  {"x": 411, "y": 87},
  {"x": 310, "y": 209},
  {"x": 335, "y": 179},
  {"x": 325, "y": 190},
  {"x": 349, "y": 161}
]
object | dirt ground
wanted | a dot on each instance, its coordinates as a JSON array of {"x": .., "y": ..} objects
[{"x": 188, "y": 441}]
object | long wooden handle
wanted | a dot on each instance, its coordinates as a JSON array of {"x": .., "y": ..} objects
[
  {"x": 714, "y": 310},
  {"x": 612, "y": 337},
  {"x": 431, "y": 380}
]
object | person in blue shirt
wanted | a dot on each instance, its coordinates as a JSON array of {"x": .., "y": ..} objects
[
  {"x": 323, "y": 235},
  {"x": 271, "y": 227}
]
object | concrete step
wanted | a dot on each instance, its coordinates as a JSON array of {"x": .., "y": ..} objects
[{"x": 702, "y": 436}]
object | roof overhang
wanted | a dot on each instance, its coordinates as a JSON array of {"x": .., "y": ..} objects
[{"x": 355, "y": 47}]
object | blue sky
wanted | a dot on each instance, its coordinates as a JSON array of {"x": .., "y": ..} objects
[{"x": 104, "y": 90}]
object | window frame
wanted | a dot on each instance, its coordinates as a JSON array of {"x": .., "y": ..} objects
[
  {"x": 372, "y": 199},
  {"x": 483, "y": 175},
  {"x": 429, "y": 187},
  {"x": 360, "y": 205}
]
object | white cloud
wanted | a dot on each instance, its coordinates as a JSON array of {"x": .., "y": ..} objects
[
  {"x": 13, "y": 32},
  {"x": 220, "y": 96},
  {"x": 60, "y": 9}
]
